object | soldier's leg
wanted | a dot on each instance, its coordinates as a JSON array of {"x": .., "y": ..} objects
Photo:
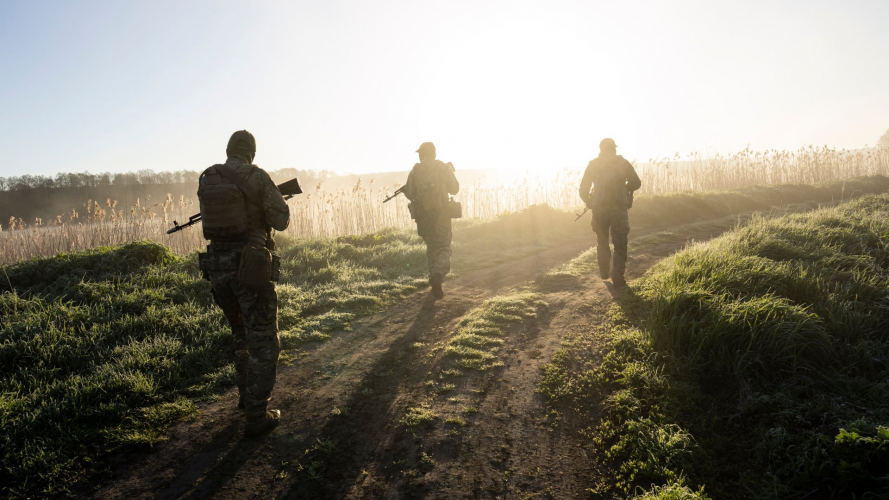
[
  {"x": 603, "y": 249},
  {"x": 430, "y": 254},
  {"x": 620, "y": 228},
  {"x": 424, "y": 230},
  {"x": 226, "y": 299},
  {"x": 439, "y": 250},
  {"x": 260, "y": 308},
  {"x": 440, "y": 262}
]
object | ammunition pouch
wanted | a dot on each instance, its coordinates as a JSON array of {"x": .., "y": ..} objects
[
  {"x": 412, "y": 210},
  {"x": 258, "y": 267},
  {"x": 630, "y": 199},
  {"x": 455, "y": 209},
  {"x": 218, "y": 262}
]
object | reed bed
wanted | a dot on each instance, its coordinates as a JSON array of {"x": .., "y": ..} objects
[{"x": 321, "y": 213}]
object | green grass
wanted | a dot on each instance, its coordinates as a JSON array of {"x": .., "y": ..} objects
[
  {"x": 419, "y": 416},
  {"x": 105, "y": 349},
  {"x": 754, "y": 365},
  {"x": 476, "y": 340}
]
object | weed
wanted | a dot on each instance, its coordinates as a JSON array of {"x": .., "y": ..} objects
[
  {"x": 455, "y": 421},
  {"x": 475, "y": 341},
  {"x": 419, "y": 416}
]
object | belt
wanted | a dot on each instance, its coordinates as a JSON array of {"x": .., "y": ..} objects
[{"x": 226, "y": 246}]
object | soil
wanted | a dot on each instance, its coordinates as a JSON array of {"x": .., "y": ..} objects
[{"x": 341, "y": 404}]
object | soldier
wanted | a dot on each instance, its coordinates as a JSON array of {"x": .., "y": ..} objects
[
  {"x": 613, "y": 180},
  {"x": 427, "y": 187},
  {"x": 239, "y": 206}
]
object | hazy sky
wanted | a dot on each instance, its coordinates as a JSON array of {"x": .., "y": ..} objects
[{"x": 358, "y": 85}]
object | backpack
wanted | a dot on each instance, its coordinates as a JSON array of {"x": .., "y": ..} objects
[
  {"x": 610, "y": 187},
  {"x": 224, "y": 206},
  {"x": 432, "y": 195}
]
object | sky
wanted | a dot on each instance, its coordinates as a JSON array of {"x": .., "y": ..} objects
[{"x": 356, "y": 86}]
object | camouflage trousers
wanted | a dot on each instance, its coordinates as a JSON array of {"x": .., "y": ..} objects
[
  {"x": 436, "y": 232},
  {"x": 617, "y": 221},
  {"x": 253, "y": 316}
]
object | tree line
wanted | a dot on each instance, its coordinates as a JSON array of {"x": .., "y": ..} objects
[{"x": 140, "y": 177}]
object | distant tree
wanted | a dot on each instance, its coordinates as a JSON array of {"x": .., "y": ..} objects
[{"x": 884, "y": 141}]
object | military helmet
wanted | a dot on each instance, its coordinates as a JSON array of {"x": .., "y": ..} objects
[
  {"x": 427, "y": 149},
  {"x": 607, "y": 143},
  {"x": 242, "y": 142}
]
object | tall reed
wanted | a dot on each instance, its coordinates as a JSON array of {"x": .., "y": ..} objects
[{"x": 322, "y": 213}]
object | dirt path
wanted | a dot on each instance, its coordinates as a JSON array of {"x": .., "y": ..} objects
[{"x": 342, "y": 402}]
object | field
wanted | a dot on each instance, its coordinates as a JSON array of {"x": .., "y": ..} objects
[
  {"x": 328, "y": 210},
  {"x": 117, "y": 369}
]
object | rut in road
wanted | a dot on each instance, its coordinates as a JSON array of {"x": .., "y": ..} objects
[
  {"x": 341, "y": 404},
  {"x": 201, "y": 458}
]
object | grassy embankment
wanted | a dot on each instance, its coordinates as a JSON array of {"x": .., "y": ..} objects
[
  {"x": 106, "y": 348},
  {"x": 752, "y": 366}
]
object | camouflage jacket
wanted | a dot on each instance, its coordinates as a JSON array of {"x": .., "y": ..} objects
[
  {"x": 274, "y": 212},
  {"x": 611, "y": 178}
]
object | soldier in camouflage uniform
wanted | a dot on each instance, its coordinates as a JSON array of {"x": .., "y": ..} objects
[
  {"x": 613, "y": 180},
  {"x": 239, "y": 206},
  {"x": 428, "y": 186}
]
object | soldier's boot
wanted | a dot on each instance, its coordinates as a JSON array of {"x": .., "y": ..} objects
[
  {"x": 435, "y": 282},
  {"x": 259, "y": 426},
  {"x": 618, "y": 281}
]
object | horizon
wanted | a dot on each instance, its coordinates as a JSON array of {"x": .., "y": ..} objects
[{"x": 355, "y": 88}]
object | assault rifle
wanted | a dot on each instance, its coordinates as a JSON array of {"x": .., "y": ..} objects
[
  {"x": 396, "y": 193},
  {"x": 289, "y": 189},
  {"x": 585, "y": 210}
]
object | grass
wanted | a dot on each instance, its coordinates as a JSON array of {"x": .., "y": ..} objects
[
  {"x": 753, "y": 365},
  {"x": 104, "y": 349},
  {"x": 476, "y": 339},
  {"x": 419, "y": 416}
]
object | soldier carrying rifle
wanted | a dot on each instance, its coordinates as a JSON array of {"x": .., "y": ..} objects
[
  {"x": 240, "y": 205},
  {"x": 613, "y": 180},
  {"x": 428, "y": 186}
]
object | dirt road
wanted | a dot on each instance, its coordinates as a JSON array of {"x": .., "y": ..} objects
[{"x": 340, "y": 435}]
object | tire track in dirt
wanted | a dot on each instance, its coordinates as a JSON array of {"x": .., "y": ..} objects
[
  {"x": 207, "y": 457},
  {"x": 369, "y": 376},
  {"x": 511, "y": 447}
]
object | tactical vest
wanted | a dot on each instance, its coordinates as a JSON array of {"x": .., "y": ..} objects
[
  {"x": 432, "y": 193},
  {"x": 226, "y": 214}
]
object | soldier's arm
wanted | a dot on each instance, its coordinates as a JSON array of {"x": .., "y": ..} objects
[
  {"x": 277, "y": 213},
  {"x": 410, "y": 189},
  {"x": 633, "y": 180},
  {"x": 453, "y": 185},
  {"x": 586, "y": 183}
]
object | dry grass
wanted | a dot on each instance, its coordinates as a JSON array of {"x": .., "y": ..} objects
[{"x": 321, "y": 213}]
